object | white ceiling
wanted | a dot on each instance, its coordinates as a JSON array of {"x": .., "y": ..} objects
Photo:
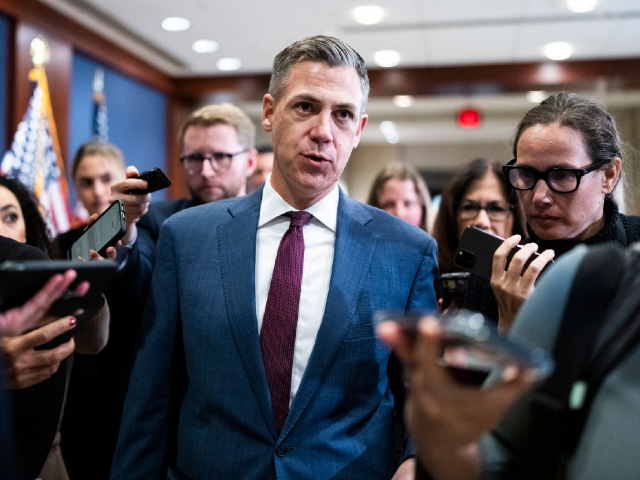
[{"x": 424, "y": 32}]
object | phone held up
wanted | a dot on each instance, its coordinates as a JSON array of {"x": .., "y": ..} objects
[
  {"x": 475, "y": 252},
  {"x": 450, "y": 288},
  {"x": 20, "y": 280},
  {"x": 474, "y": 352},
  {"x": 156, "y": 180},
  {"x": 105, "y": 232}
]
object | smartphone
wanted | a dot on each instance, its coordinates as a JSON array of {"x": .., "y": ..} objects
[
  {"x": 105, "y": 232},
  {"x": 156, "y": 180},
  {"x": 473, "y": 349},
  {"x": 475, "y": 252},
  {"x": 20, "y": 280},
  {"x": 451, "y": 287}
]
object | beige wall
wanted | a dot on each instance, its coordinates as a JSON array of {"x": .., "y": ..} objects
[{"x": 431, "y": 141}]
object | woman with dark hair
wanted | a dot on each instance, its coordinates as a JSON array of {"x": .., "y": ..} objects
[
  {"x": 478, "y": 195},
  {"x": 400, "y": 190},
  {"x": 567, "y": 161},
  {"x": 20, "y": 218},
  {"x": 37, "y": 377}
]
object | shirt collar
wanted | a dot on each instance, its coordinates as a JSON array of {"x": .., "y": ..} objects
[{"x": 273, "y": 206}]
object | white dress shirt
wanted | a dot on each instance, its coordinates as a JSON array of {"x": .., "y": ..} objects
[{"x": 319, "y": 244}]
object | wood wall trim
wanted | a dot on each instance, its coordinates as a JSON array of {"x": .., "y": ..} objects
[
  {"x": 506, "y": 78},
  {"x": 450, "y": 80}
]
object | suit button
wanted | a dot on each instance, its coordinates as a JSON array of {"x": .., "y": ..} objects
[{"x": 281, "y": 450}]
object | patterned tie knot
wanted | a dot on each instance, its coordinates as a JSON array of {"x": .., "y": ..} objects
[{"x": 299, "y": 218}]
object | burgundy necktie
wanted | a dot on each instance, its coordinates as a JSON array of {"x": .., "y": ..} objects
[{"x": 278, "y": 333}]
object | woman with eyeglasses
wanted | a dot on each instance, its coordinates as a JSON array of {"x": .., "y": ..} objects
[
  {"x": 477, "y": 195},
  {"x": 568, "y": 160}
]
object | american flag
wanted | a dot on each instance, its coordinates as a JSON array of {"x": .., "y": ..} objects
[
  {"x": 35, "y": 159},
  {"x": 100, "y": 127}
]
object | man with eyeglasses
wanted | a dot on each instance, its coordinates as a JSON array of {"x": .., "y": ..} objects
[{"x": 218, "y": 154}]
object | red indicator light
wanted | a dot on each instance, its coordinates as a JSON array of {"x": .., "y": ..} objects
[{"x": 469, "y": 118}]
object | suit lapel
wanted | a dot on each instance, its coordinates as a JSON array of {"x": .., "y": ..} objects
[
  {"x": 237, "y": 247},
  {"x": 354, "y": 247}
]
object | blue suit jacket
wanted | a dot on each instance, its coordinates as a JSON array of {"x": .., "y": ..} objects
[{"x": 198, "y": 405}]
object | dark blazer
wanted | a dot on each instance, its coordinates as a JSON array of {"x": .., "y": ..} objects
[
  {"x": 99, "y": 382},
  {"x": 199, "y": 406},
  {"x": 36, "y": 409}
]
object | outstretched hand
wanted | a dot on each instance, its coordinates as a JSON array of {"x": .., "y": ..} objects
[
  {"x": 24, "y": 365},
  {"x": 135, "y": 206},
  {"x": 446, "y": 418}
]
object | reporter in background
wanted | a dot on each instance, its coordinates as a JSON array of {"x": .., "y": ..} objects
[
  {"x": 477, "y": 195},
  {"x": 399, "y": 189},
  {"x": 100, "y": 177}
]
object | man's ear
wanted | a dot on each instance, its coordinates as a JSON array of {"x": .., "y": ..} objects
[
  {"x": 363, "y": 123},
  {"x": 252, "y": 162},
  {"x": 268, "y": 106},
  {"x": 611, "y": 175}
]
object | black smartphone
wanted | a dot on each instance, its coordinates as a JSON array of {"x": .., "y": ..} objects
[
  {"x": 475, "y": 252},
  {"x": 21, "y": 279},
  {"x": 451, "y": 287},
  {"x": 105, "y": 232},
  {"x": 473, "y": 349},
  {"x": 156, "y": 180}
]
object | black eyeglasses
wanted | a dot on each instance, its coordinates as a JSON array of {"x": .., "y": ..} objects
[
  {"x": 496, "y": 211},
  {"x": 219, "y": 161},
  {"x": 560, "y": 180}
]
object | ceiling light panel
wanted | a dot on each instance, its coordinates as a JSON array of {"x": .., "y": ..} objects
[
  {"x": 175, "y": 24},
  {"x": 558, "y": 50},
  {"x": 368, "y": 14},
  {"x": 581, "y": 6},
  {"x": 229, "y": 64},
  {"x": 386, "y": 58},
  {"x": 403, "y": 101},
  {"x": 205, "y": 46}
]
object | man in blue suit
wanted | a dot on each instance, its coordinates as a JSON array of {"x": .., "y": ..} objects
[{"x": 201, "y": 403}]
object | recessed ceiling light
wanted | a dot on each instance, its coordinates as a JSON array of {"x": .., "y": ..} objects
[
  {"x": 176, "y": 24},
  {"x": 386, "y": 58},
  {"x": 368, "y": 14},
  {"x": 205, "y": 46},
  {"x": 536, "y": 96},
  {"x": 403, "y": 101},
  {"x": 558, "y": 50},
  {"x": 581, "y": 6},
  {"x": 228, "y": 64},
  {"x": 389, "y": 131}
]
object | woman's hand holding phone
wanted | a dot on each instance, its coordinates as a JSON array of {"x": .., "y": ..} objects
[
  {"x": 25, "y": 366},
  {"x": 511, "y": 286}
]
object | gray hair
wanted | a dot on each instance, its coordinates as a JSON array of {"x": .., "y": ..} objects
[{"x": 324, "y": 49}]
